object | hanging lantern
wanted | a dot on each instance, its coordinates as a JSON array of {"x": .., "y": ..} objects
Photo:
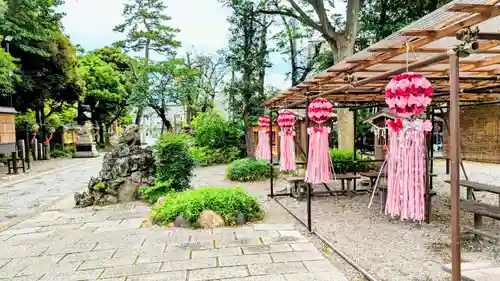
[
  {"x": 264, "y": 121},
  {"x": 320, "y": 110},
  {"x": 263, "y": 151},
  {"x": 319, "y": 169},
  {"x": 408, "y": 94},
  {"x": 286, "y": 121}
]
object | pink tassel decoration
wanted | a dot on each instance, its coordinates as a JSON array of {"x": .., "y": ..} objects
[
  {"x": 407, "y": 94},
  {"x": 263, "y": 151},
  {"x": 286, "y": 120},
  {"x": 406, "y": 169},
  {"x": 318, "y": 162}
]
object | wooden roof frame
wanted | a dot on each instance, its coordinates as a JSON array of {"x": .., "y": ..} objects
[{"x": 360, "y": 80}]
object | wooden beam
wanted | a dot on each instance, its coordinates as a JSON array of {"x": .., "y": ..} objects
[
  {"x": 423, "y": 50},
  {"x": 419, "y": 32},
  {"x": 472, "y": 8}
]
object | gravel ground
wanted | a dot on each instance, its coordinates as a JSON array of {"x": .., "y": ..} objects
[{"x": 387, "y": 248}]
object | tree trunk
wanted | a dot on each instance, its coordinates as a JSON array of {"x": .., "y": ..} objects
[
  {"x": 140, "y": 110},
  {"x": 101, "y": 133},
  {"x": 138, "y": 116},
  {"x": 37, "y": 116},
  {"x": 248, "y": 130}
]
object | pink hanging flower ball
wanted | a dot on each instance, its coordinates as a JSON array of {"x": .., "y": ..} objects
[
  {"x": 408, "y": 94},
  {"x": 286, "y": 119},
  {"x": 264, "y": 121},
  {"x": 320, "y": 110}
]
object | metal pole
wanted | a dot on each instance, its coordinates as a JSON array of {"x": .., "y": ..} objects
[
  {"x": 455, "y": 166},
  {"x": 271, "y": 149},
  {"x": 431, "y": 167},
  {"x": 27, "y": 143},
  {"x": 309, "y": 222},
  {"x": 355, "y": 157}
]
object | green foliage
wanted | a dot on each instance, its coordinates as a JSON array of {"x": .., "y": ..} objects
[
  {"x": 248, "y": 169},
  {"x": 59, "y": 154},
  {"x": 152, "y": 193},
  {"x": 214, "y": 132},
  {"x": 8, "y": 72},
  {"x": 349, "y": 167},
  {"x": 145, "y": 27},
  {"x": 381, "y": 18},
  {"x": 227, "y": 202},
  {"x": 204, "y": 156},
  {"x": 173, "y": 162},
  {"x": 105, "y": 89}
]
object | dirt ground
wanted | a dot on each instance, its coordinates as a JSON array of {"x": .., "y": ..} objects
[{"x": 387, "y": 248}]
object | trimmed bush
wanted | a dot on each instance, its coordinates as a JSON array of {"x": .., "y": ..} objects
[
  {"x": 204, "y": 156},
  {"x": 173, "y": 162},
  {"x": 214, "y": 132},
  {"x": 248, "y": 169},
  {"x": 152, "y": 193},
  {"x": 348, "y": 167},
  {"x": 227, "y": 202}
]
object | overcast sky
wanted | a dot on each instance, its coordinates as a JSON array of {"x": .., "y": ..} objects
[{"x": 202, "y": 23}]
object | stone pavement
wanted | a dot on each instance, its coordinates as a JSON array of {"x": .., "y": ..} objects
[
  {"x": 21, "y": 198},
  {"x": 478, "y": 271},
  {"x": 108, "y": 243}
]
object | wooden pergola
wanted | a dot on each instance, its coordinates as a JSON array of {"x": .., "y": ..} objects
[{"x": 456, "y": 47}]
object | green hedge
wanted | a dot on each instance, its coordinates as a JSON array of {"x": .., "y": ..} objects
[
  {"x": 349, "y": 167},
  {"x": 227, "y": 202},
  {"x": 205, "y": 156},
  {"x": 174, "y": 164},
  {"x": 248, "y": 169}
]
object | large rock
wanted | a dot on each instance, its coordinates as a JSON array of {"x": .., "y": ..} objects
[
  {"x": 210, "y": 219},
  {"x": 124, "y": 170}
]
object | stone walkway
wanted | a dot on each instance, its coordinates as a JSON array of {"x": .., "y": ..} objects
[
  {"x": 19, "y": 199},
  {"x": 109, "y": 244}
]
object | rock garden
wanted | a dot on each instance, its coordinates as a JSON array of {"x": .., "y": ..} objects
[{"x": 161, "y": 175}]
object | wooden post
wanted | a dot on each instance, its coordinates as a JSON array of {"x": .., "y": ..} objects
[
  {"x": 34, "y": 146},
  {"x": 455, "y": 166}
]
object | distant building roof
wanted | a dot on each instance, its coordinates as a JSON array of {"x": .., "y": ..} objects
[{"x": 4, "y": 109}]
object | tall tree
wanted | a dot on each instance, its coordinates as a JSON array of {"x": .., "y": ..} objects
[
  {"x": 162, "y": 87},
  {"x": 381, "y": 18},
  {"x": 245, "y": 54},
  {"x": 146, "y": 30},
  {"x": 302, "y": 59},
  {"x": 104, "y": 91}
]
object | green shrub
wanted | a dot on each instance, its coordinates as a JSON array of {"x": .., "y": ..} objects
[
  {"x": 173, "y": 162},
  {"x": 59, "y": 154},
  {"x": 204, "y": 156},
  {"x": 248, "y": 169},
  {"x": 227, "y": 202},
  {"x": 213, "y": 131},
  {"x": 348, "y": 167},
  {"x": 152, "y": 193}
]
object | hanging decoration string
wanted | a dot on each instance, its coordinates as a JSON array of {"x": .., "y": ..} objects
[
  {"x": 319, "y": 162},
  {"x": 286, "y": 121},
  {"x": 263, "y": 151}
]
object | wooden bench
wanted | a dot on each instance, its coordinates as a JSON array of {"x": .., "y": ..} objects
[
  {"x": 480, "y": 209},
  {"x": 298, "y": 189}
]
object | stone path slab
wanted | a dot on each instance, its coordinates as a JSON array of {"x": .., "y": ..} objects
[
  {"x": 19, "y": 199},
  {"x": 478, "y": 271},
  {"x": 109, "y": 244}
]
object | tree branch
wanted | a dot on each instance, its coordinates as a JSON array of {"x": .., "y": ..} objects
[{"x": 289, "y": 13}]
